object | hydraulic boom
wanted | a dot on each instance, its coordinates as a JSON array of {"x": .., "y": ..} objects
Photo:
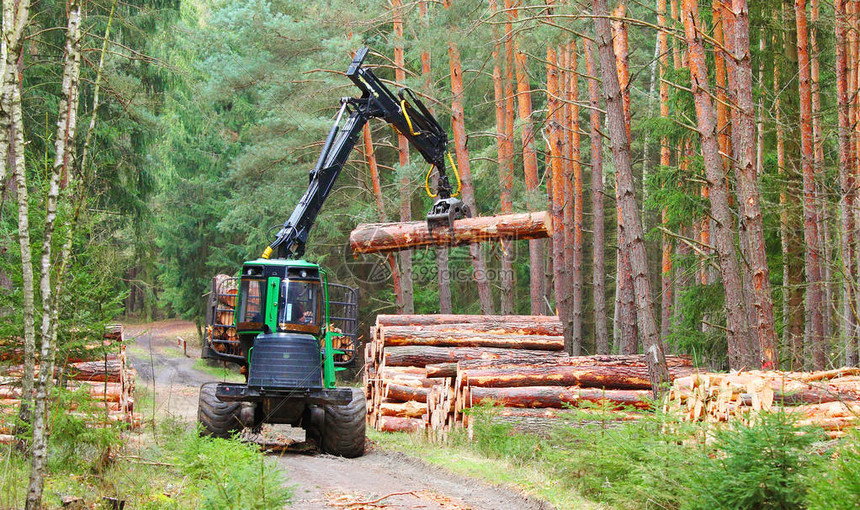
[{"x": 409, "y": 117}]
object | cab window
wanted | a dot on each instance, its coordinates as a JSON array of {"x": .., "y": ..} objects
[
  {"x": 253, "y": 293},
  {"x": 299, "y": 304}
]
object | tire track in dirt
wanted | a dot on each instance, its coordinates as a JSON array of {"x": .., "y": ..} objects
[{"x": 320, "y": 481}]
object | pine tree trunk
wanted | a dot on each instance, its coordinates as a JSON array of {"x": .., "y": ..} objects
[
  {"x": 748, "y": 190},
  {"x": 502, "y": 89},
  {"x": 818, "y": 164},
  {"x": 370, "y": 156},
  {"x": 479, "y": 265},
  {"x": 601, "y": 337},
  {"x": 736, "y": 320},
  {"x": 625, "y": 316},
  {"x": 530, "y": 166},
  {"x": 846, "y": 182},
  {"x": 635, "y": 242},
  {"x": 665, "y": 152},
  {"x": 510, "y": 115},
  {"x": 556, "y": 150},
  {"x": 408, "y": 302},
  {"x": 64, "y": 146},
  {"x": 574, "y": 203},
  {"x": 814, "y": 291}
]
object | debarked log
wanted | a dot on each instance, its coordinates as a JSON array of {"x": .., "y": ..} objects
[{"x": 378, "y": 237}]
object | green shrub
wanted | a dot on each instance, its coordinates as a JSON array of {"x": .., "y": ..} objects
[
  {"x": 760, "y": 466},
  {"x": 837, "y": 485},
  {"x": 232, "y": 475}
]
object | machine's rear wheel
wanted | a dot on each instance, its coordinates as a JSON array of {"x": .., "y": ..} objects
[
  {"x": 219, "y": 418},
  {"x": 343, "y": 433}
]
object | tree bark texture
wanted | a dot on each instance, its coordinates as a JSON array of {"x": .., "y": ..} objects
[
  {"x": 402, "y": 336},
  {"x": 558, "y": 397},
  {"x": 748, "y": 189},
  {"x": 666, "y": 284},
  {"x": 556, "y": 150},
  {"x": 574, "y": 209},
  {"x": 530, "y": 167},
  {"x": 635, "y": 242},
  {"x": 816, "y": 343},
  {"x": 479, "y": 264},
  {"x": 422, "y": 356},
  {"x": 586, "y": 376},
  {"x": 501, "y": 89},
  {"x": 376, "y": 237},
  {"x": 64, "y": 147},
  {"x": 625, "y": 297},
  {"x": 526, "y": 324},
  {"x": 846, "y": 183},
  {"x": 405, "y": 187},
  {"x": 601, "y": 336},
  {"x": 736, "y": 319}
]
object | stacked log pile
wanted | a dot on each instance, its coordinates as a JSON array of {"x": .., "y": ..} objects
[
  {"x": 444, "y": 365},
  {"x": 828, "y": 399},
  {"x": 221, "y": 331},
  {"x": 109, "y": 379}
]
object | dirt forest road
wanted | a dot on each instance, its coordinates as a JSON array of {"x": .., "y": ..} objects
[{"x": 320, "y": 481}]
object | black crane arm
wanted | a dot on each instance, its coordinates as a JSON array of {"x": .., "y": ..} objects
[{"x": 409, "y": 117}]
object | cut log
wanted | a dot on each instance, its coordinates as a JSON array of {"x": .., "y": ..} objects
[
  {"x": 528, "y": 324},
  {"x": 556, "y": 397},
  {"x": 629, "y": 378},
  {"x": 397, "y": 424},
  {"x": 95, "y": 370},
  {"x": 422, "y": 355},
  {"x": 405, "y": 393},
  {"x": 678, "y": 366},
  {"x": 399, "y": 336},
  {"x": 553, "y": 328},
  {"x": 411, "y": 409},
  {"x": 377, "y": 237}
]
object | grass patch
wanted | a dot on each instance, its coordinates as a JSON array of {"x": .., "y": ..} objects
[
  {"x": 647, "y": 464},
  {"x": 220, "y": 373},
  {"x": 170, "y": 468}
]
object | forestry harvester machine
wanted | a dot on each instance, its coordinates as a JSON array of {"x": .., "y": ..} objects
[{"x": 289, "y": 328}]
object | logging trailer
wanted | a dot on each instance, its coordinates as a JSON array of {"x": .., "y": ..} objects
[{"x": 289, "y": 328}]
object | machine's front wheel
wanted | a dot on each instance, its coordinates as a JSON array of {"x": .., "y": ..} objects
[
  {"x": 218, "y": 418},
  {"x": 344, "y": 431}
]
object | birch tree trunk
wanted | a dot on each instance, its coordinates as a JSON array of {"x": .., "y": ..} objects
[
  {"x": 407, "y": 304},
  {"x": 64, "y": 146},
  {"x": 601, "y": 337},
  {"x": 736, "y": 320},
  {"x": 479, "y": 265},
  {"x": 16, "y": 16},
  {"x": 846, "y": 182},
  {"x": 748, "y": 189},
  {"x": 635, "y": 242},
  {"x": 814, "y": 301}
]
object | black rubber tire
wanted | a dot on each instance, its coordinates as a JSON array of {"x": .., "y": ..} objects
[
  {"x": 344, "y": 431},
  {"x": 218, "y": 418}
]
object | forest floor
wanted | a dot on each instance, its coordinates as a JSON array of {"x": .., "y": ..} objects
[{"x": 382, "y": 478}]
